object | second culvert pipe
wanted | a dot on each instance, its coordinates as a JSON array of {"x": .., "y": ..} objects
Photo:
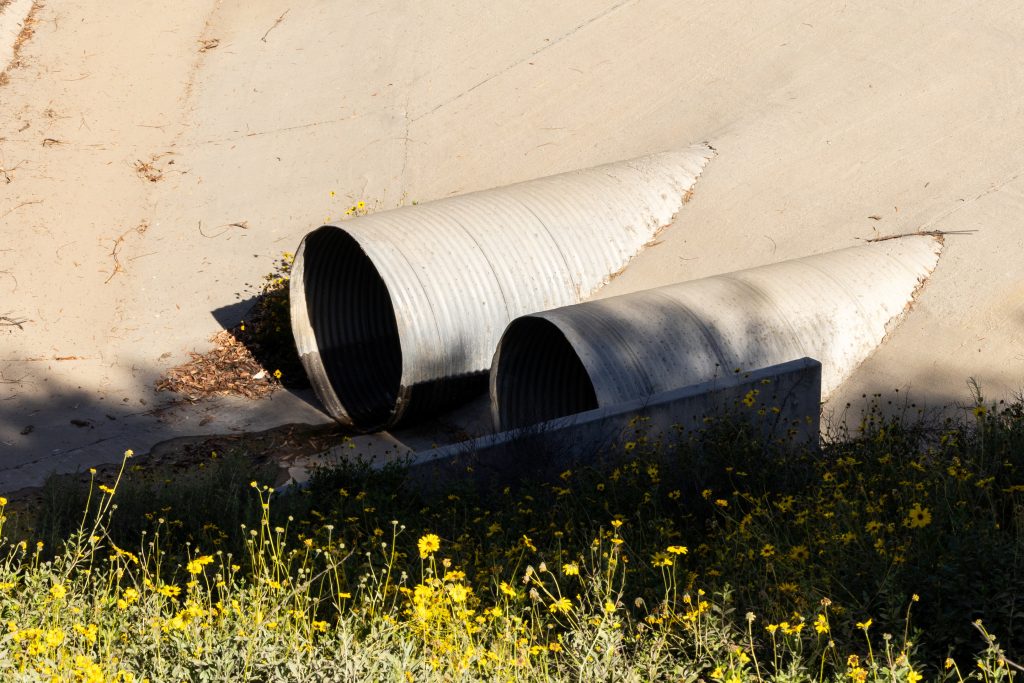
[
  {"x": 835, "y": 307},
  {"x": 402, "y": 310}
]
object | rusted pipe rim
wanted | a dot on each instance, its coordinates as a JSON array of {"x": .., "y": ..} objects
[{"x": 344, "y": 324}]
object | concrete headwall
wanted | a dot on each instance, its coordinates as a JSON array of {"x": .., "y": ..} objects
[{"x": 781, "y": 403}]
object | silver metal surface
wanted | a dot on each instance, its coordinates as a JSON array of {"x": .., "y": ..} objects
[
  {"x": 835, "y": 307},
  {"x": 404, "y": 308}
]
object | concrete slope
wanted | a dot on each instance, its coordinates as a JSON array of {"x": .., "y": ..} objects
[{"x": 833, "y": 123}]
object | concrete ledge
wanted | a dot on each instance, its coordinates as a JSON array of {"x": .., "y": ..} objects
[{"x": 781, "y": 403}]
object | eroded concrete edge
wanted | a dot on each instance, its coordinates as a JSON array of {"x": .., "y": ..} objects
[{"x": 15, "y": 28}]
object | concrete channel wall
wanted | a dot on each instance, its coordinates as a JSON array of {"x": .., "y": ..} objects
[{"x": 781, "y": 403}]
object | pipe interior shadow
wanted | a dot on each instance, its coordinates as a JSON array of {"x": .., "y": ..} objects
[
  {"x": 353, "y": 318},
  {"x": 539, "y": 376}
]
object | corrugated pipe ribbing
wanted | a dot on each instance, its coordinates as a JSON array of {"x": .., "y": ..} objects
[
  {"x": 835, "y": 307},
  {"x": 401, "y": 311}
]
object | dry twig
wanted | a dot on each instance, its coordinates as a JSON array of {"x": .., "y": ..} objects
[
  {"x": 8, "y": 321},
  {"x": 115, "y": 252},
  {"x": 244, "y": 225},
  {"x": 933, "y": 233},
  {"x": 279, "y": 20},
  {"x": 18, "y": 206}
]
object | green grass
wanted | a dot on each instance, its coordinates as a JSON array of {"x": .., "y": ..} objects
[{"x": 890, "y": 555}]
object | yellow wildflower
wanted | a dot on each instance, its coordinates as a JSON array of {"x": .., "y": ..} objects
[
  {"x": 918, "y": 517},
  {"x": 196, "y": 565},
  {"x": 458, "y": 592},
  {"x": 662, "y": 560},
  {"x": 129, "y": 597},
  {"x": 563, "y": 605},
  {"x": 169, "y": 591},
  {"x": 428, "y": 545},
  {"x": 54, "y": 637}
]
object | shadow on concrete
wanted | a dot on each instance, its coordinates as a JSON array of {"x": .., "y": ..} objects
[
  {"x": 49, "y": 426},
  {"x": 231, "y": 315}
]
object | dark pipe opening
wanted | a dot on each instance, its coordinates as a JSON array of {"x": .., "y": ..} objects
[
  {"x": 353, "y": 319},
  {"x": 539, "y": 376}
]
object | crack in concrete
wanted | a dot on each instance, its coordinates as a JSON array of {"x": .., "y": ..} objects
[
  {"x": 530, "y": 56},
  {"x": 273, "y": 131},
  {"x": 405, "y": 148},
  {"x": 964, "y": 203}
]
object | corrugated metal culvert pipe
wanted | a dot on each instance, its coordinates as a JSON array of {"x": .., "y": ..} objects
[
  {"x": 401, "y": 310},
  {"x": 835, "y": 307}
]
